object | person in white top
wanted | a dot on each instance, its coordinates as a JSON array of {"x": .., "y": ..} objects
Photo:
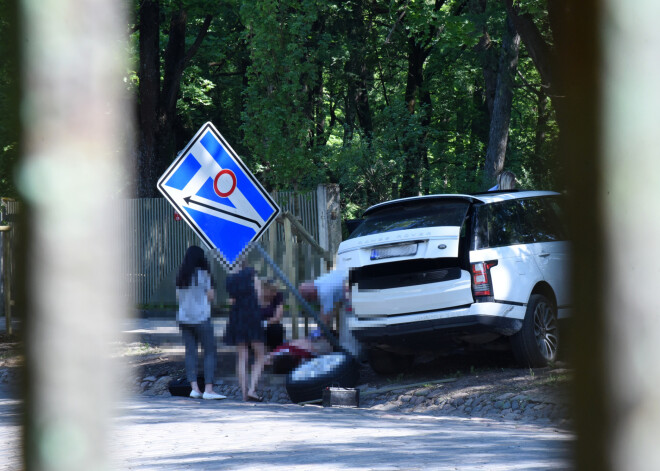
[{"x": 195, "y": 292}]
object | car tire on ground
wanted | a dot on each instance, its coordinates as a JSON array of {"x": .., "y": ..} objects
[
  {"x": 386, "y": 363},
  {"x": 535, "y": 345},
  {"x": 307, "y": 382}
]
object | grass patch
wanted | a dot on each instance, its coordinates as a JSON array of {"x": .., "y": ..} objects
[
  {"x": 554, "y": 379},
  {"x": 138, "y": 349}
]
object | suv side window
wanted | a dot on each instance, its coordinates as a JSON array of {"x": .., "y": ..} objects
[
  {"x": 556, "y": 208},
  {"x": 520, "y": 221},
  {"x": 542, "y": 222},
  {"x": 498, "y": 224},
  {"x": 504, "y": 224}
]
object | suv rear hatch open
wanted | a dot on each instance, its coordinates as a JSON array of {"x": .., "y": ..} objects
[{"x": 409, "y": 257}]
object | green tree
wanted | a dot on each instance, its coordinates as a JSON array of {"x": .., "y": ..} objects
[
  {"x": 387, "y": 99},
  {"x": 284, "y": 112},
  {"x": 9, "y": 95},
  {"x": 159, "y": 84}
]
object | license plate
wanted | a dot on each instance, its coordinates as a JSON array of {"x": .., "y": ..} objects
[{"x": 393, "y": 251}]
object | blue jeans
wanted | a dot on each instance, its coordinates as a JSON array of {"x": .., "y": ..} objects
[{"x": 194, "y": 334}]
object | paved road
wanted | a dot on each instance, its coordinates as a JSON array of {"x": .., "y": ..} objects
[{"x": 179, "y": 433}]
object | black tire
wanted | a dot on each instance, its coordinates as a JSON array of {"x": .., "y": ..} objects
[
  {"x": 388, "y": 363},
  {"x": 284, "y": 364},
  {"x": 536, "y": 344},
  {"x": 335, "y": 369}
]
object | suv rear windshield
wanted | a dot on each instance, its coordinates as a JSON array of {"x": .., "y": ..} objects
[{"x": 413, "y": 215}]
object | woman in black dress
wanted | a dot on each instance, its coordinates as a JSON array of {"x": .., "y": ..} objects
[{"x": 244, "y": 328}]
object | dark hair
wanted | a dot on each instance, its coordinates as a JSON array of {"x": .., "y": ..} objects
[{"x": 193, "y": 259}]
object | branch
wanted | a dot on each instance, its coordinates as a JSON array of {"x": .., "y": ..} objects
[
  {"x": 529, "y": 86},
  {"x": 538, "y": 48},
  {"x": 198, "y": 40},
  {"x": 227, "y": 74},
  {"x": 403, "y": 13}
]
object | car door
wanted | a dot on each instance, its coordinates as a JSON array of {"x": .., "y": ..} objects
[
  {"x": 550, "y": 245},
  {"x": 506, "y": 241}
]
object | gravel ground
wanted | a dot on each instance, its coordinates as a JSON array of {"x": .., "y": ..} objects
[
  {"x": 475, "y": 385},
  {"x": 486, "y": 384}
]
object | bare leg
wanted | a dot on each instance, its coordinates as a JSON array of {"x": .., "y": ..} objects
[
  {"x": 195, "y": 387},
  {"x": 257, "y": 368},
  {"x": 241, "y": 368}
]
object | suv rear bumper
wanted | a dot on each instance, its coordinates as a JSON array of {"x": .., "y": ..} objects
[{"x": 422, "y": 329}]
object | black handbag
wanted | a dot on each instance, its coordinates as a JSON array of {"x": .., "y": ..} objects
[{"x": 181, "y": 386}]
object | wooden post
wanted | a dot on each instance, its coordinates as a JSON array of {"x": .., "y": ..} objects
[
  {"x": 272, "y": 245},
  {"x": 329, "y": 214},
  {"x": 290, "y": 273},
  {"x": 308, "y": 270},
  {"x": 6, "y": 267}
]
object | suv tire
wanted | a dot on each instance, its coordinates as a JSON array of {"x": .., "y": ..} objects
[
  {"x": 386, "y": 363},
  {"x": 535, "y": 345},
  {"x": 307, "y": 382}
]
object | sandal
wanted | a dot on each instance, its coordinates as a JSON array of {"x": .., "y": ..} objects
[{"x": 251, "y": 398}]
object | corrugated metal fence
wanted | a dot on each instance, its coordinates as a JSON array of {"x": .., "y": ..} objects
[{"x": 156, "y": 241}]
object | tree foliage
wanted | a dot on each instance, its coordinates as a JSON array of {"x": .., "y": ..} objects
[
  {"x": 9, "y": 86},
  {"x": 386, "y": 98}
]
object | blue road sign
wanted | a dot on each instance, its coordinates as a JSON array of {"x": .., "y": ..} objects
[{"x": 216, "y": 194}]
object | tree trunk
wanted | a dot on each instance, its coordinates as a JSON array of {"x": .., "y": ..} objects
[
  {"x": 487, "y": 56},
  {"x": 174, "y": 65},
  {"x": 543, "y": 55},
  {"x": 312, "y": 83},
  {"x": 176, "y": 59},
  {"x": 72, "y": 284},
  {"x": 501, "y": 116},
  {"x": 414, "y": 145},
  {"x": 541, "y": 123},
  {"x": 358, "y": 76},
  {"x": 157, "y": 109},
  {"x": 148, "y": 91}
]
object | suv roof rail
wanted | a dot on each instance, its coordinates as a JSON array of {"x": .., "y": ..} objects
[{"x": 490, "y": 192}]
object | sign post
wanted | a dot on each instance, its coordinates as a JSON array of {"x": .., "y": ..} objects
[{"x": 217, "y": 195}]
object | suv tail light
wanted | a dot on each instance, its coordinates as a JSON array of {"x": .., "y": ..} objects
[
  {"x": 347, "y": 299},
  {"x": 481, "y": 279}
]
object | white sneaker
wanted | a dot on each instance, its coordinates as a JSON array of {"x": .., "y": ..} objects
[
  {"x": 195, "y": 395},
  {"x": 213, "y": 395}
]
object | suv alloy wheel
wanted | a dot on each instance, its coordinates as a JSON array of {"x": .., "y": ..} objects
[{"x": 536, "y": 343}]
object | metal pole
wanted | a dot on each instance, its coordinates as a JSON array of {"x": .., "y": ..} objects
[{"x": 303, "y": 302}]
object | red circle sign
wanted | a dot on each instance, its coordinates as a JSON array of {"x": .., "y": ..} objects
[{"x": 224, "y": 194}]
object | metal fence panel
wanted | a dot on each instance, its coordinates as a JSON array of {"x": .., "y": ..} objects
[{"x": 156, "y": 243}]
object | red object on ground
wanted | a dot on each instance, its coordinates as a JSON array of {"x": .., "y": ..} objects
[
  {"x": 286, "y": 357},
  {"x": 294, "y": 351}
]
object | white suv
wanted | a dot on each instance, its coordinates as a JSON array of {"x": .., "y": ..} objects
[{"x": 441, "y": 271}]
